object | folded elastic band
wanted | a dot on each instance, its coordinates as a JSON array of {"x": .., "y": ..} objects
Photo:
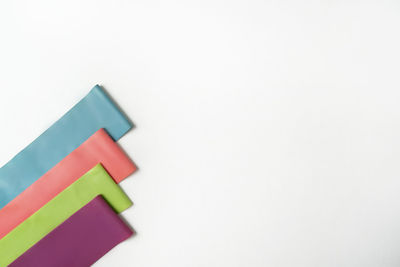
[
  {"x": 79, "y": 241},
  {"x": 95, "y": 182},
  {"x": 93, "y": 112},
  {"x": 99, "y": 148}
]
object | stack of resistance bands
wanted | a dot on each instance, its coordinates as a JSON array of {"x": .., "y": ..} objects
[{"x": 59, "y": 197}]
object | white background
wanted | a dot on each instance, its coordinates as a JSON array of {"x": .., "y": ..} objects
[{"x": 267, "y": 132}]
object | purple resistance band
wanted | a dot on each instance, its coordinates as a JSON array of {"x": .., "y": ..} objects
[{"x": 79, "y": 241}]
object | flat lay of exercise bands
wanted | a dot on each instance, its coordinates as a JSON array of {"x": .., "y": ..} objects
[{"x": 59, "y": 197}]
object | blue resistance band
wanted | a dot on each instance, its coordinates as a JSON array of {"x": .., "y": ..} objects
[{"x": 94, "y": 111}]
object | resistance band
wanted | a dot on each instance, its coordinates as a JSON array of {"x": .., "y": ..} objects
[
  {"x": 93, "y": 183},
  {"x": 99, "y": 148},
  {"x": 79, "y": 241},
  {"x": 94, "y": 111}
]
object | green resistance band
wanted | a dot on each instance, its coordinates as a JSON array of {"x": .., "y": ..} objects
[{"x": 94, "y": 182}]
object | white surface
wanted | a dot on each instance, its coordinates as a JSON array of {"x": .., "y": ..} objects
[{"x": 268, "y": 132}]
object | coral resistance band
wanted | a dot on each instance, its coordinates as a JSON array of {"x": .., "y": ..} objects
[{"x": 99, "y": 148}]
